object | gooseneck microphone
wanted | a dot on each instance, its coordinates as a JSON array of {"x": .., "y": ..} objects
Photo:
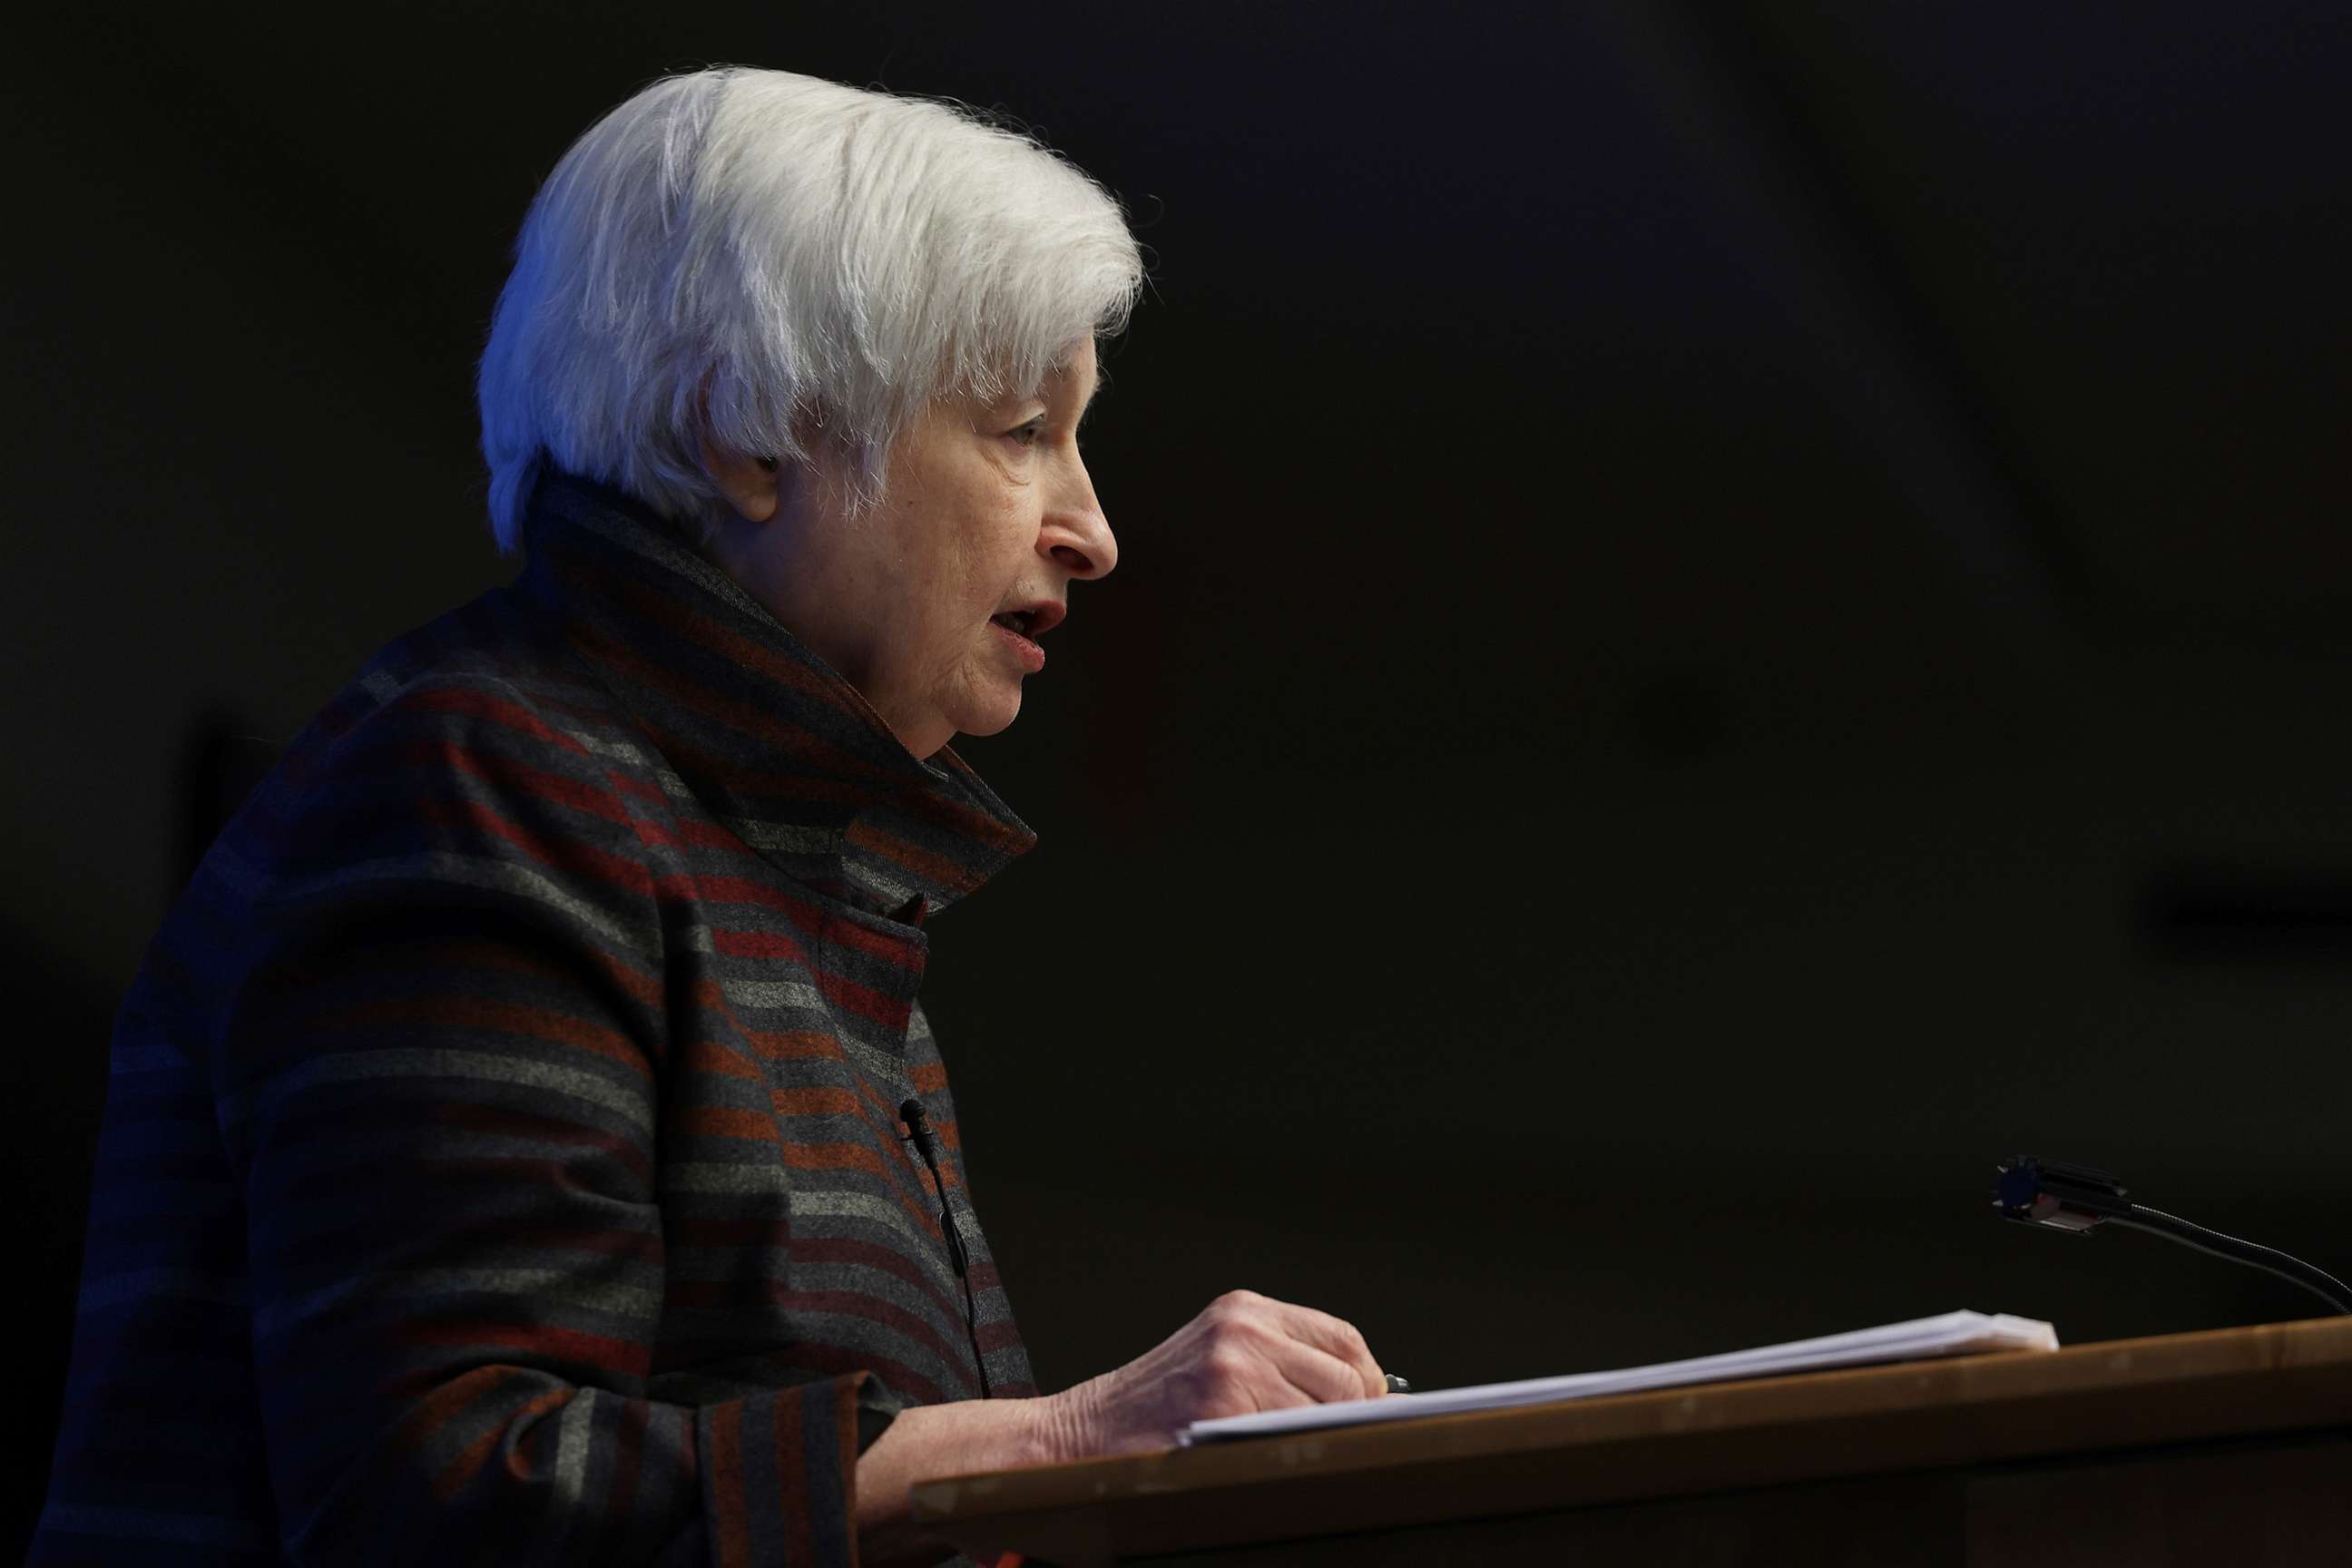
[
  {"x": 2076, "y": 1197},
  {"x": 918, "y": 1133}
]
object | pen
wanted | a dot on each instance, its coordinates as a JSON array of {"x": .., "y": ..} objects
[{"x": 1397, "y": 1385}]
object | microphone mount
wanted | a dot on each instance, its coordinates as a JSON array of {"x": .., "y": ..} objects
[{"x": 2077, "y": 1199}]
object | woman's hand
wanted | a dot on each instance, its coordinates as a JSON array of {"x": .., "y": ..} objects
[{"x": 1245, "y": 1352}]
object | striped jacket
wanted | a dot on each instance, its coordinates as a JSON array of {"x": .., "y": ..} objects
[{"x": 500, "y": 1160}]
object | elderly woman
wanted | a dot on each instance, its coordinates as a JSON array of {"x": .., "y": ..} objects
[{"x": 503, "y": 1158}]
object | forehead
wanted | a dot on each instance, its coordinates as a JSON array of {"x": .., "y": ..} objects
[
  {"x": 1076, "y": 376},
  {"x": 1074, "y": 380},
  {"x": 1072, "y": 375}
]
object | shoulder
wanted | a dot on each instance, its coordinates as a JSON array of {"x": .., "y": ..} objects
[
  {"x": 475, "y": 757},
  {"x": 468, "y": 805}
]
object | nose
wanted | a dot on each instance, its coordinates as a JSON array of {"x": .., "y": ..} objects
[{"x": 1076, "y": 536}]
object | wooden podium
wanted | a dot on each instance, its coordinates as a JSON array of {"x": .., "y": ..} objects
[{"x": 2228, "y": 1447}]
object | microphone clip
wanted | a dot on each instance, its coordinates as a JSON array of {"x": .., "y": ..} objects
[
  {"x": 918, "y": 1133},
  {"x": 2057, "y": 1195}
]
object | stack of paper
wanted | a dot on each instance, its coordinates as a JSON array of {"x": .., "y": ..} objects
[{"x": 1954, "y": 1334}]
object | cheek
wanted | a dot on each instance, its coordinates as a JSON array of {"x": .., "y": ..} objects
[
  {"x": 956, "y": 600},
  {"x": 963, "y": 546},
  {"x": 987, "y": 556},
  {"x": 1011, "y": 536}
]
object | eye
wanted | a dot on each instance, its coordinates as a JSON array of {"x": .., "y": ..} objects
[{"x": 1027, "y": 435}]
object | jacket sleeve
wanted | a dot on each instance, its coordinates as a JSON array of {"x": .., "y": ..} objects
[{"x": 440, "y": 1085}]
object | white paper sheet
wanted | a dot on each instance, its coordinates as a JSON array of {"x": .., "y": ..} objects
[{"x": 1953, "y": 1333}]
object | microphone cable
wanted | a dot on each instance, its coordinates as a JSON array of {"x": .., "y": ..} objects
[{"x": 918, "y": 1133}]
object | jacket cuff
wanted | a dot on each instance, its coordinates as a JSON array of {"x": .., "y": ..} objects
[{"x": 780, "y": 1476}]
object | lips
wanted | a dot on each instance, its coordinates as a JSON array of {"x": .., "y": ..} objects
[
  {"x": 1016, "y": 641},
  {"x": 1032, "y": 620},
  {"x": 1018, "y": 629}
]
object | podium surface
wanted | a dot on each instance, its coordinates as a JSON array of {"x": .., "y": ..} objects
[{"x": 2233, "y": 1445}]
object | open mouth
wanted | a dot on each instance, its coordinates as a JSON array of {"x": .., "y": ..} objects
[{"x": 1015, "y": 621}]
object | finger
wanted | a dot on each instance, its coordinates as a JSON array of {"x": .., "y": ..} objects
[
  {"x": 1322, "y": 1377},
  {"x": 1335, "y": 1337}
]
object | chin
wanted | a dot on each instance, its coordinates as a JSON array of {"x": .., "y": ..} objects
[{"x": 989, "y": 718}]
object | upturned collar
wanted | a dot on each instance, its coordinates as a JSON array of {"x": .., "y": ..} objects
[{"x": 775, "y": 743}]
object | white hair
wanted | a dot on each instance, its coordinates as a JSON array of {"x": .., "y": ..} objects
[{"x": 793, "y": 255}]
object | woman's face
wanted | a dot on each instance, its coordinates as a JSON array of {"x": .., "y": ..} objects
[{"x": 987, "y": 515}]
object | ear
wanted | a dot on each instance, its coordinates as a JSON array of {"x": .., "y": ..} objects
[{"x": 747, "y": 482}]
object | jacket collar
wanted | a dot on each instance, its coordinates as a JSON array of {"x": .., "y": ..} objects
[{"x": 775, "y": 743}]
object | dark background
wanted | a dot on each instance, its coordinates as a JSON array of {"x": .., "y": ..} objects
[{"x": 1727, "y": 613}]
